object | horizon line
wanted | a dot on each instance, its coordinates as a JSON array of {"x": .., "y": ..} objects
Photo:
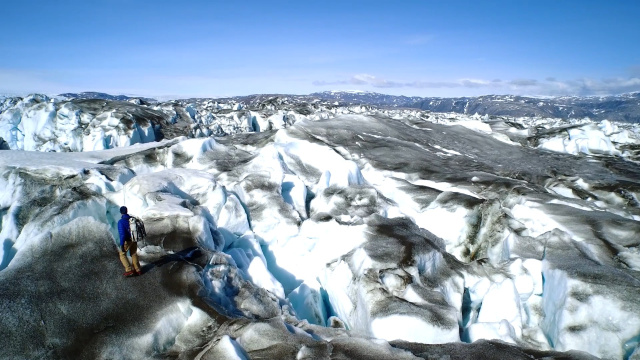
[{"x": 355, "y": 92}]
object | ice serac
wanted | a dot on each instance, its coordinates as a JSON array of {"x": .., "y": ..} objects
[
  {"x": 588, "y": 305},
  {"x": 39, "y": 123},
  {"x": 398, "y": 285}
]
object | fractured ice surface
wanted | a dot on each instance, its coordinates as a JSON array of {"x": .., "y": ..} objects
[
  {"x": 40, "y": 123},
  {"x": 321, "y": 236}
]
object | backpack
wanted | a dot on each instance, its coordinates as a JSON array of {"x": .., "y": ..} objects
[{"x": 136, "y": 228}]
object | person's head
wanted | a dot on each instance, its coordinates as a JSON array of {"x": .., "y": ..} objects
[{"x": 123, "y": 210}]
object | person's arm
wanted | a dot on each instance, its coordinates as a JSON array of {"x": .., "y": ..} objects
[{"x": 121, "y": 230}]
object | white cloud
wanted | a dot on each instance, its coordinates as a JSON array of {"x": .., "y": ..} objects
[
  {"x": 524, "y": 82},
  {"x": 634, "y": 71},
  {"x": 366, "y": 79},
  {"x": 548, "y": 86},
  {"x": 362, "y": 79},
  {"x": 19, "y": 82},
  {"x": 419, "y": 39}
]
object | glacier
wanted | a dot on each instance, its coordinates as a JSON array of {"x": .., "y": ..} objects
[{"x": 290, "y": 229}]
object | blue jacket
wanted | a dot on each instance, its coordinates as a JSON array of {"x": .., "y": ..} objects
[{"x": 124, "y": 229}]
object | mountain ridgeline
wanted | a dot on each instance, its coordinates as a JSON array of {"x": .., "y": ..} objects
[
  {"x": 89, "y": 95},
  {"x": 617, "y": 108}
]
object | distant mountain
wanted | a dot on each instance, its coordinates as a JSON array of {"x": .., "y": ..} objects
[
  {"x": 365, "y": 97},
  {"x": 334, "y": 98},
  {"x": 104, "y": 96},
  {"x": 619, "y": 108}
]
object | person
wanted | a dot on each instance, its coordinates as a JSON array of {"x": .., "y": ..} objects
[{"x": 126, "y": 244}]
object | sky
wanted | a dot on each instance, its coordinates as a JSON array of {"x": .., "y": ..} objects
[{"x": 171, "y": 49}]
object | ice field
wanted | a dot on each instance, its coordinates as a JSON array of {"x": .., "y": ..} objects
[{"x": 335, "y": 232}]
